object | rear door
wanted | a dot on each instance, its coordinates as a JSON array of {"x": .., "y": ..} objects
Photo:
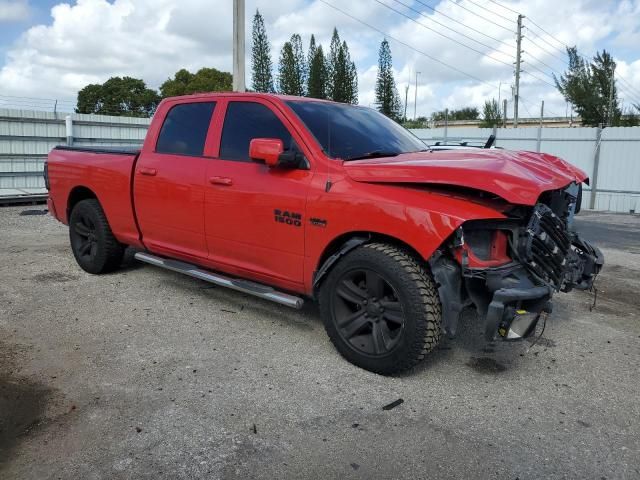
[
  {"x": 255, "y": 215},
  {"x": 169, "y": 182}
]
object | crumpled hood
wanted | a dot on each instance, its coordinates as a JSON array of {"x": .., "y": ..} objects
[{"x": 518, "y": 177}]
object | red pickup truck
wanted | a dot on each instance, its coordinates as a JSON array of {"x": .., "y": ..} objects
[{"x": 289, "y": 198}]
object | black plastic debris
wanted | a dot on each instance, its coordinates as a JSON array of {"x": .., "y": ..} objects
[
  {"x": 34, "y": 212},
  {"x": 393, "y": 404}
]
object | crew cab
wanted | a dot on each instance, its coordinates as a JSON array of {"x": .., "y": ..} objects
[{"x": 290, "y": 198}]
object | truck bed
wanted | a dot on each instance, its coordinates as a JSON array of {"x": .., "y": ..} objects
[
  {"x": 113, "y": 150},
  {"x": 105, "y": 172}
]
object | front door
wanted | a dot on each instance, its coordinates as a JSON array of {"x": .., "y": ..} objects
[
  {"x": 255, "y": 215},
  {"x": 169, "y": 183}
]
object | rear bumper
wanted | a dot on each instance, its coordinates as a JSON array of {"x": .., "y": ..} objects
[{"x": 52, "y": 208}]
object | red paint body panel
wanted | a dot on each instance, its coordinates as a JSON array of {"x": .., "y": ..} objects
[
  {"x": 242, "y": 217},
  {"x": 107, "y": 175},
  {"x": 517, "y": 177}
]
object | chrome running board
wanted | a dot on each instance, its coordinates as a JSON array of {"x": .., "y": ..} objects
[{"x": 245, "y": 286}]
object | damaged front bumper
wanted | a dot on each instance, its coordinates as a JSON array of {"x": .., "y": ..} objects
[
  {"x": 519, "y": 295},
  {"x": 512, "y": 297}
]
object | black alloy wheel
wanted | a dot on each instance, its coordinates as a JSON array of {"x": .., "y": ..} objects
[
  {"x": 93, "y": 244},
  {"x": 83, "y": 237},
  {"x": 368, "y": 313},
  {"x": 381, "y": 308}
]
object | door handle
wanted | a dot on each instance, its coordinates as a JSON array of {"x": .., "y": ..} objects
[
  {"x": 150, "y": 172},
  {"x": 221, "y": 181}
]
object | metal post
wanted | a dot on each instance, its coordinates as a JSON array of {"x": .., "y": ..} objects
[
  {"x": 446, "y": 125},
  {"x": 596, "y": 165},
  {"x": 238, "y": 46},
  {"x": 415, "y": 99},
  {"x": 504, "y": 113},
  {"x": 518, "y": 62},
  {"x": 406, "y": 99},
  {"x": 610, "y": 109},
  {"x": 68, "y": 123},
  {"x": 540, "y": 127}
]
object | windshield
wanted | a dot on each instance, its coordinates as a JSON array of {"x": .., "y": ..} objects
[{"x": 350, "y": 132}]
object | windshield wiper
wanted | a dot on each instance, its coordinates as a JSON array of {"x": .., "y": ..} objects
[{"x": 373, "y": 154}]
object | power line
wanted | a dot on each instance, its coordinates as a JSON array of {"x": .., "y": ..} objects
[
  {"x": 552, "y": 54},
  {"x": 447, "y": 27},
  {"x": 508, "y": 29},
  {"x": 407, "y": 45},
  {"x": 505, "y": 7},
  {"x": 443, "y": 35},
  {"x": 545, "y": 64},
  {"x": 463, "y": 24},
  {"x": 496, "y": 14},
  {"x": 539, "y": 70},
  {"x": 535, "y": 35},
  {"x": 537, "y": 78}
]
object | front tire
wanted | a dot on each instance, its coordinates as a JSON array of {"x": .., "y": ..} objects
[
  {"x": 381, "y": 309},
  {"x": 95, "y": 248}
]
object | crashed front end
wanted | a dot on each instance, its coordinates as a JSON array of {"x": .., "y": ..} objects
[{"x": 510, "y": 268}]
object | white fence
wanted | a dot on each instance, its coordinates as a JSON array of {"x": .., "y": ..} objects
[
  {"x": 611, "y": 157},
  {"x": 26, "y": 137}
]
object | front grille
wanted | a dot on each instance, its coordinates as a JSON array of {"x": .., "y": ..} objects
[{"x": 544, "y": 245}]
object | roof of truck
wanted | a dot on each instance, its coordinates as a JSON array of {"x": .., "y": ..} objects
[{"x": 251, "y": 94}]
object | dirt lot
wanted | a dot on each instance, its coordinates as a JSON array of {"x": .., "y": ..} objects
[{"x": 149, "y": 374}]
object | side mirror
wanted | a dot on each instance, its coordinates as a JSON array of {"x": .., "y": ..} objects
[
  {"x": 267, "y": 150},
  {"x": 271, "y": 151}
]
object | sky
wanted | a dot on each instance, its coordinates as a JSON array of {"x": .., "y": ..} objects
[{"x": 463, "y": 49}]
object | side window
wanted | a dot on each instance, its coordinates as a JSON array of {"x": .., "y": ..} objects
[
  {"x": 245, "y": 121},
  {"x": 185, "y": 127}
]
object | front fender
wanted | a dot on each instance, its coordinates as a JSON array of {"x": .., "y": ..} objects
[{"x": 421, "y": 219}]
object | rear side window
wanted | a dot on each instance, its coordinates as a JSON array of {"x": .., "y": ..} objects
[
  {"x": 245, "y": 121},
  {"x": 184, "y": 130}
]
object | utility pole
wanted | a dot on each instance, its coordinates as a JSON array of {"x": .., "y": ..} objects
[
  {"x": 415, "y": 99},
  {"x": 518, "y": 63},
  {"x": 238, "y": 46},
  {"x": 539, "y": 140},
  {"x": 406, "y": 99},
  {"x": 610, "y": 109},
  {"x": 504, "y": 113}
]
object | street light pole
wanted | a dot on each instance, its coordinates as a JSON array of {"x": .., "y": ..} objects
[
  {"x": 238, "y": 46},
  {"x": 415, "y": 99}
]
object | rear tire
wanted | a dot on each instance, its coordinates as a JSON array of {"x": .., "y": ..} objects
[
  {"x": 95, "y": 248},
  {"x": 381, "y": 309}
]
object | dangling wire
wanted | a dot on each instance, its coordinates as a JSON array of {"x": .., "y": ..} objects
[{"x": 544, "y": 325}]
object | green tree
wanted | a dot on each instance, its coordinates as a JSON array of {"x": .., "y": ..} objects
[
  {"x": 204, "y": 80},
  {"x": 387, "y": 98},
  {"x": 300, "y": 60},
  {"x": 317, "y": 80},
  {"x": 629, "y": 118},
  {"x": 122, "y": 96},
  {"x": 491, "y": 115},
  {"x": 591, "y": 88},
  {"x": 290, "y": 70},
  {"x": 466, "y": 113},
  {"x": 342, "y": 75},
  {"x": 261, "y": 76}
]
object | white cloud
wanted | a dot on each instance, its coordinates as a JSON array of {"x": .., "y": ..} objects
[
  {"x": 93, "y": 40},
  {"x": 14, "y": 10}
]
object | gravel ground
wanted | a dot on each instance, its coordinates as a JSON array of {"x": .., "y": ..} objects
[{"x": 148, "y": 374}]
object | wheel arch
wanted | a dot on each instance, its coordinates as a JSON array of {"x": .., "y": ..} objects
[
  {"x": 345, "y": 242},
  {"x": 77, "y": 194}
]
